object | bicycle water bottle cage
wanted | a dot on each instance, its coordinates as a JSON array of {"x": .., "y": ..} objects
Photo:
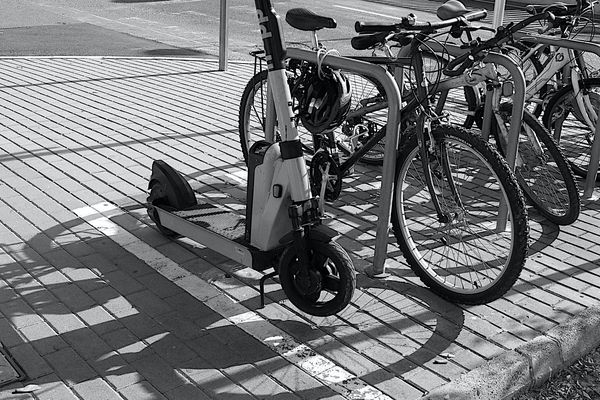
[
  {"x": 306, "y": 20},
  {"x": 451, "y": 9}
]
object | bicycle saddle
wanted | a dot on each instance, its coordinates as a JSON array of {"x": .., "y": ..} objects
[
  {"x": 306, "y": 20},
  {"x": 451, "y": 9}
]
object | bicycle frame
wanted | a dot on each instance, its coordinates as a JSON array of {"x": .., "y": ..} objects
[{"x": 472, "y": 78}]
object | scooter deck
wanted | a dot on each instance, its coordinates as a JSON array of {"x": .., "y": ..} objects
[{"x": 225, "y": 223}]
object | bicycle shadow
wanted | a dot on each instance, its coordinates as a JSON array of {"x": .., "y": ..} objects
[{"x": 183, "y": 339}]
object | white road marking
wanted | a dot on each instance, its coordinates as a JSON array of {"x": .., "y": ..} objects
[
  {"x": 299, "y": 354},
  {"x": 367, "y": 12}
]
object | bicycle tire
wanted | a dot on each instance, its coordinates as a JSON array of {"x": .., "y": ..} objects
[
  {"x": 448, "y": 257},
  {"x": 564, "y": 120},
  {"x": 546, "y": 178}
]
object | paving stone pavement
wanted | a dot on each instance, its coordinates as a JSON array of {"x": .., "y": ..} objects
[{"x": 96, "y": 304}]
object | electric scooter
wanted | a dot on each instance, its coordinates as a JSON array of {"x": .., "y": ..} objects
[{"x": 282, "y": 227}]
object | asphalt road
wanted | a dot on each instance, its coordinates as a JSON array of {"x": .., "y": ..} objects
[{"x": 171, "y": 27}]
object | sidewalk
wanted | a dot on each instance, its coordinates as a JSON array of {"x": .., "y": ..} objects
[{"x": 97, "y": 304}]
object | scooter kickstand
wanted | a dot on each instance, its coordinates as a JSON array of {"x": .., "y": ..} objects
[{"x": 262, "y": 287}]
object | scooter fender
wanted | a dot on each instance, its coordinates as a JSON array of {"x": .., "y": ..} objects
[
  {"x": 174, "y": 188},
  {"x": 320, "y": 233}
]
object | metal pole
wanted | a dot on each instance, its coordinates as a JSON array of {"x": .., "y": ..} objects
[
  {"x": 392, "y": 92},
  {"x": 498, "y": 12},
  {"x": 223, "y": 36}
]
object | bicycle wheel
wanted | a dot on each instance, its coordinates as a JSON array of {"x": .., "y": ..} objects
[
  {"x": 541, "y": 169},
  {"x": 467, "y": 256},
  {"x": 566, "y": 121},
  {"x": 253, "y": 113}
]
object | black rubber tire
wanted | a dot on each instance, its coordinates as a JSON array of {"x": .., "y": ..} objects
[
  {"x": 340, "y": 271},
  {"x": 577, "y": 146},
  {"x": 411, "y": 196},
  {"x": 549, "y": 185}
]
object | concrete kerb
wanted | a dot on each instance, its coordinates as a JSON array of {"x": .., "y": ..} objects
[{"x": 529, "y": 365}]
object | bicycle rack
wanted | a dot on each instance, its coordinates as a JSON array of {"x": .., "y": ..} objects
[
  {"x": 517, "y": 109},
  {"x": 391, "y": 143},
  {"x": 518, "y": 98},
  {"x": 590, "y": 180}
]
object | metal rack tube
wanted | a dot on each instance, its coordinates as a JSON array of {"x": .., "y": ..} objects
[
  {"x": 391, "y": 143},
  {"x": 590, "y": 180}
]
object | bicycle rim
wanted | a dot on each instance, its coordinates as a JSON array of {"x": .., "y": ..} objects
[
  {"x": 253, "y": 113},
  {"x": 469, "y": 259},
  {"x": 543, "y": 172}
]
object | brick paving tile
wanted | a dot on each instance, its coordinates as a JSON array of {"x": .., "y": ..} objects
[
  {"x": 147, "y": 302},
  {"x": 43, "y": 338},
  {"x": 141, "y": 391},
  {"x": 122, "y": 282},
  {"x": 9, "y": 333},
  {"x": 186, "y": 392},
  {"x": 211, "y": 381},
  {"x": 19, "y": 313},
  {"x": 70, "y": 366},
  {"x": 87, "y": 343},
  {"x": 30, "y": 361},
  {"x": 60, "y": 317},
  {"x": 52, "y": 388},
  {"x": 172, "y": 349},
  {"x": 96, "y": 389},
  {"x": 255, "y": 382},
  {"x": 143, "y": 326},
  {"x": 181, "y": 326},
  {"x": 126, "y": 343},
  {"x": 159, "y": 373},
  {"x": 159, "y": 285},
  {"x": 116, "y": 370}
]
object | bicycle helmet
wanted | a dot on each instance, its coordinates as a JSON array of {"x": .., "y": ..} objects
[{"x": 326, "y": 102}]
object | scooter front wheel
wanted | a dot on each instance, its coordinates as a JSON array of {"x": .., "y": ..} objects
[{"x": 327, "y": 287}]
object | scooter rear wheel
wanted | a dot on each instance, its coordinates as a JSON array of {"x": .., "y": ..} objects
[{"x": 329, "y": 285}]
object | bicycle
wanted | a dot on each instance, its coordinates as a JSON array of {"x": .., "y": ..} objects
[
  {"x": 451, "y": 185},
  {"x": 541, "y": 168},
  {"x": 556, "y": 63},
  {"x": 560, "y": 84}
]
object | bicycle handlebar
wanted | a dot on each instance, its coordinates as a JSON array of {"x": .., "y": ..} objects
[
  {"x": 458, "y": 65},
  {"x": 410, "y": 23}
]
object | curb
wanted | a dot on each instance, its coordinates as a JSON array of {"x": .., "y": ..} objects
[{"x": 528, "y": 365}]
